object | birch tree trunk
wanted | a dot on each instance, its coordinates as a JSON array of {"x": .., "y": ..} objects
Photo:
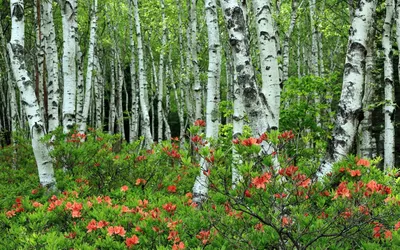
[
  {"x": 29, "y": 101},
  {"x": 112, "y": 115},
  {"x": 69, "y": 12},
  {"x": 90, "y": 68},
  {"x": 366, "y": 145},
  {"x": 145, "y": 126},
  {"x": 200, "y": 188},
  {"x": 134, "y": 119},
  {"x": 254, "y": 102},
  {"x": 197, "y": 88},
  {"x": 389, "y": 88},
  {"x": 52, "y": 63},
  {"x": 268, "y": 58},
  {"x": 286, "y": 40},
  {"x": 160, "y": 93},
  {"x": 98, "y": 93},
  {"x": 350, "y": 105}
]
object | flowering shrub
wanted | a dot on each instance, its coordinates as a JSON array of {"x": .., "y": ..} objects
[{"x": 131, "y": 198}]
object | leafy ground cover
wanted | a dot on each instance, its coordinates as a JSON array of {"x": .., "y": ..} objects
[{"x": 114, "y": 195}]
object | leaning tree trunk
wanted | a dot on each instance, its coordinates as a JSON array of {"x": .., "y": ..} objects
[
  {"x": 29, "y": 101},
  {"x": 145, "y": 126},
  {"x": 268, "y": 58},
  {"x": 90, "y": 68},
  {"x": 350, "y": 105},
  {"x": 69, "y": 12},
  {"x": 389, "y": 88},
  {"x": 254, "y": 103},
  {"x": 200, "y": 188}
]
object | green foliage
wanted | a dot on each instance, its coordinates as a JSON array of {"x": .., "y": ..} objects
[{"x": 112, "y": 192}]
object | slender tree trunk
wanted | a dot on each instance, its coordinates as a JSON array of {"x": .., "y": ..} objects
[
  {"x": 112, "y": 115},
  {"x": 160, "y": 93},
  {"x": 69, "y": 12},
  {"x": 52, "y": 63},
  {"x": 120, "y": 83},
  {"x": 268, "y": 57},
  {"x": 134, "y": 119},
  {"x": 286, "y": 40},
  {"x": 350, "y": 105},
  {"x": 145, "y": 126},
  {"x": 90, "y": 68},
  {"x": 200, "y": 188},
  {"x": 29, "y": 101},
  {"x": 366, "y": 144},
  {"x": 389, "y": 107},
  {"x": 197, "y": 88},
  {"x": 98, "y": 93}
]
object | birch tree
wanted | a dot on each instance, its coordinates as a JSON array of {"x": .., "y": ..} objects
[
  {"x": 197, "y": 88},
  {"x": 389, "y": 88},
  {"x": 268, "y": 58},
  {"x": 52, "y": 62},
  {"x": 90, "y": 68},
  {"x": 350, "y": 105},
  {"x": 200, "y": 188},
  {"x": 160, "y": 93},
  {"x": 254, "y": 103},
  {"x": 145, "y": 126},
  {"x": 69, "y": 12},
  {"x": 29, "y": 102}
]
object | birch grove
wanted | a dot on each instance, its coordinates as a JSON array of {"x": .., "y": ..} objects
[{"x": 147, "y": 70}]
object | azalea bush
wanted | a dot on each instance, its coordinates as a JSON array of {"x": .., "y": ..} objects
[{"x": 115, "y": 195}]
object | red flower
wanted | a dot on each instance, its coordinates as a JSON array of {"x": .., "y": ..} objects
[
  {"x": 200, "y": 123},
  {"x": 388, "y": 234},
  {"x": 10, "y": 213},
  {"x": 235, "y": 141},
  {"x": 91, "y": 226},
  {"x": 140, "y": 181},
  {"x": 134, "y": 240},
  {"x": 304, "y": 183},
  {"x": 250, "y": 141},
  {"x": 279, "y": 196},
  {"x": 286, "y": 221},
  {"x": 259, "y": 182},
  {"x": 204, "y": 236},
  {"x": 342, "y": 191},
  {"x": 181, "y": 245},
  {"x": 259, "y": 227},
  {"x": 173, "y": 235},
  {"x": 169, "y": 207},
  {"x": 289, "y": 171},
  {"x": 356, "y": 172},
  {"x": 34, "y": 191},
  {"x": 397, "y": 226},
  {"x": 171, "y": 189},
  {"x": 363, "y": 162},
  {"x": 124, "y": 188},
  {"x": 207, "y": 172},
  {"x": 37, "y": 204},
  {"x": 247, "y": 193},
  {"x": 116, "y": 230}
]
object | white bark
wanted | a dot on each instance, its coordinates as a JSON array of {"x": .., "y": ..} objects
[
  {"x": 286, "y": 40},
  {"x": 200, "y": 188},
  {"x": 120, "y": 83},
  {"x": 145, "y": 126},
  {"x": 350, "y": 105},
  {"x": 69, "y": 13},
  {"x": 80, "y": 86},
  {"x": 112, "y": 114},
  {"x": 29, "y": 101},
  {"x": 98, "y": 93},
  {"x": 389, "y": 107},
  {"x": 268, "y": 58},
  {"x": 366, "y": 144},
  {"x": 254, "y": 104},
  {"x": 160, "y": 93},
  {"x": 197, "y": 88},
  {"x": 52, "y": 63},
  {"x": 134, "y": 119},
  {"x": 90, "y": 68}
]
